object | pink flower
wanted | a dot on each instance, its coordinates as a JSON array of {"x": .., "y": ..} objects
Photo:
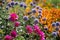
[
  {"x": 16, "y": 24},
  {"x": 13, "y": 33},
  {"x": 13, "y": 17},
  {"x": 29, "y": 29},
  {"x": 39, "y": 32},
  {"x": 8, "y": 37},
  {"x": 36, "y": 29}
]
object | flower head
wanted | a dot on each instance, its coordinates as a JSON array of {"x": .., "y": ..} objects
[
  {"x": 16, "y": 24},
  {"x": 8, "y": 37},
  {"x": 13, "y": 17},
  {"x": 13, "y": 33},
  {"x": 36, "y": 21},
  {"x": 25, "y": 18},
  {"x": 29, "y": 29}
]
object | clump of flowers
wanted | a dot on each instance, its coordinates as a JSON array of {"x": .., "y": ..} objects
[{"x": 27, "y": 20}]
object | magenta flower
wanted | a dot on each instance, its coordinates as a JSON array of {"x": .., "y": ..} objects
[
  {"x": 29, "y": 29},
  {"x": 38, "y": 31},
  {"x": 16, "y": 24},
  {"x": 13, "y": 33},
  {"x": 8, "y": 37},
  {"x": 13, "y": 17}
]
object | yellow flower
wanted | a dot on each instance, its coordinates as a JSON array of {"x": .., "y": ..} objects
[
  {"x": 28, "y": 1},
  {"x": 27, "y": 9},
  {"x": 8, "y": 1}
]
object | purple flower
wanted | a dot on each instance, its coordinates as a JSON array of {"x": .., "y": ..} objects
[
  {"x": 12, "y": 3},
  {"x": 33, "y": 11},
  {"x": 39, "y": 11},
  {"x": 54, "y": 33},
  {"x": 25, "y": 18},
  {"x": 9, "y": 5},
  {"x": 25, "y": 6},
  {"x": 16, "y": 3},
  {"x": 32, "y": 4},
  {"x": 22, "y": 4},
  {"x": 57, "y": 23},
  {"x": 53, "y": 24},
  {"x": 36, "y": 21},
  {"x": 37, "y": 7}
]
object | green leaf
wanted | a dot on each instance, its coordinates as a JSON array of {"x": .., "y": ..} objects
[{"x": 20, "y": 38}]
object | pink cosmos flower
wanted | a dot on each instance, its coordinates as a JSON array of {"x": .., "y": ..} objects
[
  {"x": 8, "y": 37},
  {"x": 16, "y": 24},
  {"x": 13, "y": 17},
  {"x": 13, "y": 33},
  {"x": 29, "y": 29}
]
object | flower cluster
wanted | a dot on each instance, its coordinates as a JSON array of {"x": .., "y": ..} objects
[{"x": 35, "y": 19}]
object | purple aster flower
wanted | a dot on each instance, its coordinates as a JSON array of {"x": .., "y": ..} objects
[
  {"x": 9, "y": 5},
  {"x": 39, "y": 11},
  {"x": 53, "y": 24},
  {"x": 16, "y": 3},
  {"x": 22, "y": 4},
  {"x": 37, "y": 7},
  {"x": 36, "y": 21},
  {"x": 54, "y": 33},
  {"x": 12, "y": 3},
  {"x": 32, "y": 3},
  {"x": 33, "y": 11},
  {"x": 57, "y": 23},
  {"x": 25, "y": 18}
]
